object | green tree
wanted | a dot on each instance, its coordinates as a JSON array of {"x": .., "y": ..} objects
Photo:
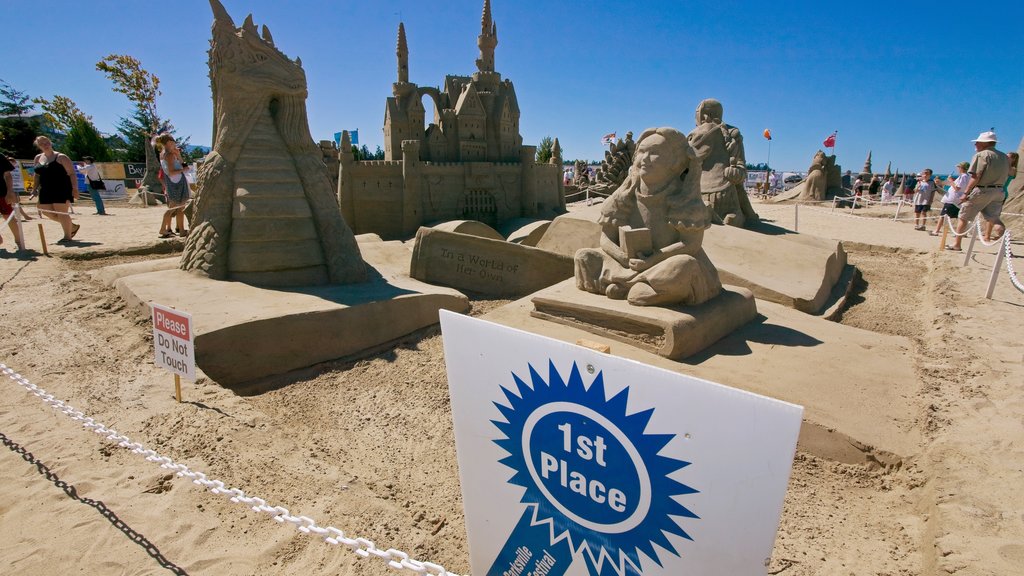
[
  {"x": 132, "y": 80},
  {"x": 61, "y": 113},
  {"x": 544, "y": 150},
  {"x": 13, "y": 102},
  {"x": 17, "y": 129},
  {"x": 84, "y": 140},
  {"x": 135, "y": 132}
]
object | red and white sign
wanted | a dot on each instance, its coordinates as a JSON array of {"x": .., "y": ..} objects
[{"x": 173, "y": 341}]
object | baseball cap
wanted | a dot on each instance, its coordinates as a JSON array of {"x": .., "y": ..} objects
[{"x": 986, "y": 137}]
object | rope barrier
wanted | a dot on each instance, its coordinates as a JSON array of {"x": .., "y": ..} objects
[{"x": 364, "y": 548}]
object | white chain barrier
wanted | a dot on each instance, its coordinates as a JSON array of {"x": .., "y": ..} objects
[
  {"x": 952, "y": 228},
  {"x": 981, "y": 235},
  {"x": 396, "y": 559},
  {"x": 1009, "y": 263}
]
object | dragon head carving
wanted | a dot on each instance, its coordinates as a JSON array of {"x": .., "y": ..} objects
[{"x": 247, "y": 62}]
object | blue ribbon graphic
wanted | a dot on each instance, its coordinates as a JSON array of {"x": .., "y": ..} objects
[{"x": 595, "y": 486}]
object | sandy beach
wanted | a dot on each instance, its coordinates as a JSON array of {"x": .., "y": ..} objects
[{"x": 367, "y": 446}]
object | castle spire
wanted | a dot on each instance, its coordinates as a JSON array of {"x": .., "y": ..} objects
[
  {"x": 486, "y": 22},
  {"x": 487, "y": 40},
  {"x": 402, "y": 52}
]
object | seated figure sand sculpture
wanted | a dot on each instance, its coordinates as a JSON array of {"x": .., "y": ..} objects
[
  {"x": 653, "y": 226},
  {"x": 266, "y": 212},
  {"x": 816, "y": 184},
  {"x": 720, "y": 149}
]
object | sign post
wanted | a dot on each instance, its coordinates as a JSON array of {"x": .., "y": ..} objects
[
  {"x": 174, "y": 344},
  {"x": 576, "y": 462}
]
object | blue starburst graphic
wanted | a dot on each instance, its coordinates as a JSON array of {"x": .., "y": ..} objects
[{"x": 591, "y": 471}]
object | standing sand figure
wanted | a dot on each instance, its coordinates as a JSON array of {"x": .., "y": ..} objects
[
  {"x": 175, "y": 184},
  {"x": 659, "y": 197},
  {"x": 57, "y": 185}
]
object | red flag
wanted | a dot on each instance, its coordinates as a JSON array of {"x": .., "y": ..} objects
[
  {"x": 767, "y": 133},
  {"x": 830, "y": 142}
]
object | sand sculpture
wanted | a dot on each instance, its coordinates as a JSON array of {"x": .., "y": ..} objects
[
  {"x": 581, "y": 176},
  {"x": 468, "y": 164},
  {"x": 824, "y": 179},
  {"x": 816, "y": 183},
  {"x": 615, "y": 166},
  {"x": 720, "y": 149},
  {"x": 653, "y": 226},
  {"x": 265, "y": 210},
  {"x": 1015, "y": 201}
]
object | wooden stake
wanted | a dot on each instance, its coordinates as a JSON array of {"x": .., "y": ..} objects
[
  {"x": 177, "y": 387},
  {"x": 42, "y": 239},
  {"x": 945, "y": 232},
  {"x": 594, "y": 345}
]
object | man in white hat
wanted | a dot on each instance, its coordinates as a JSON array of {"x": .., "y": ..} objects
[{"x": 989, "y": 169}]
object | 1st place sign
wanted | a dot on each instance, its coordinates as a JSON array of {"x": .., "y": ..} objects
[{"x": 578, "y": 463}]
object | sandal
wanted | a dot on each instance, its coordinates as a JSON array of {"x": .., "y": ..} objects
[
  {"x": 953, "y": 249},
  {"x": 74, "y": 230},
  {"x": 167, "y": 234}
]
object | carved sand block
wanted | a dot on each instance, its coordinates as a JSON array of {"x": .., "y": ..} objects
[
  {"x": 675, "y": 332},
  {"x": 570, "y": 232},
  {"x": 794, "y": 270},
  {"x": 524, "y": 231},
  {"x": 470, "y": 227},
  {"x": 245, "y": 332},
  {"x": 484, "y": 265}
]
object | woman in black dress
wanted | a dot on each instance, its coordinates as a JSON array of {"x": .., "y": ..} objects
[{"x": 57, "y": 184}]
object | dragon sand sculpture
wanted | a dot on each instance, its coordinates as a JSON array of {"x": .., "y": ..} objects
[{"x": 266, "y": 212}]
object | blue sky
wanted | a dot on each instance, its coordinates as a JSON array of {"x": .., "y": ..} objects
[{"x": 913, "y": 82}]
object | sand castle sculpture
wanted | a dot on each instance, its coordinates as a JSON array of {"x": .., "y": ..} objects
[
  {"x": 653, "y": 227},
  {"x": 720, "y": 148},
  {"x": 468, "y": 164},
  {"x": 265, "y": 210}
]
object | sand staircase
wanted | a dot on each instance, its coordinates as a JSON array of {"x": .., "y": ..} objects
[{"x": 274, "y": 240}]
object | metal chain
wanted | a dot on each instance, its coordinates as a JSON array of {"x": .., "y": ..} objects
[{"x": 364, "y": 548}]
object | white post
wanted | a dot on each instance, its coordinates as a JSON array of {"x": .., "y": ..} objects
[
  {"x": 995, "y": 270},
  {"x": 898, "y": 208},
  {"x": 796, "y": 217},
  {"x": 834, "y": 200},
  {"x": 853, "y": 205},
  {"x": 20, "y": 241}
]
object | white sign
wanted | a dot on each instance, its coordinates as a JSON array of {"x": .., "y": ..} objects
[
  {"x": 173, "y": 341},
  {"x": 17, "y": 178},
  {"x": 115, "y": 190},
  {"x": 581, "y": 463}
]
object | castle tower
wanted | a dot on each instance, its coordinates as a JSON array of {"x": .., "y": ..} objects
[
  {"x": 403, "y": 115},
  {"x": 487, "y": 40},
  {"x": 403, "y": 55}
]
